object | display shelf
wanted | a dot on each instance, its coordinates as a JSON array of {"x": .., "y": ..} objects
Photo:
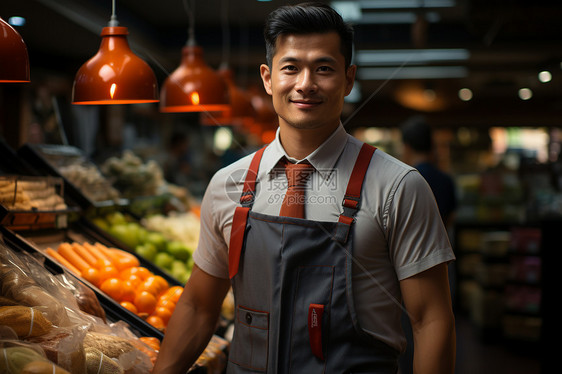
[
  {"x": 47, "y": 159},
  {"x": 502, "y": 288},
  {"x": 113, "y": 310}
]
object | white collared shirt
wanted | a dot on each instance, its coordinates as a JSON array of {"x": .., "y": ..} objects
[{"x": 398, "y": 231}]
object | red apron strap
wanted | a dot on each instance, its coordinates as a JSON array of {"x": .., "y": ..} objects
[
  {"x": 241, "y": 215},
  {"x": 353, "y": 192},
  {"x": 251, "y": 176}
]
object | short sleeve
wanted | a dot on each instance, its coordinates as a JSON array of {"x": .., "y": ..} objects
[
  {"x": 211, "y": 254},
  {"x": 417, "y": 238}
]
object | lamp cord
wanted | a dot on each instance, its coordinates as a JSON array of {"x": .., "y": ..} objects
[
  {"x": 225, "y": 35},
  {"x": 190, "y": 9},
  {"x": 113, "y": 20}
]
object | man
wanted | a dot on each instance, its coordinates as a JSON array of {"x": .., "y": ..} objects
[{"x": 321, "y": 293}]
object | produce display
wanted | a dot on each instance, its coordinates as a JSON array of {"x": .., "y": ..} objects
[
  {"x": 119, "y": 274},
  {"x": 88, "y": 179},
  {"x": 165, "y": 247},
  {"x": 31, "y": 193},
  {"x": 43, "y": 330},
  {"x": 132, "y": 177}
]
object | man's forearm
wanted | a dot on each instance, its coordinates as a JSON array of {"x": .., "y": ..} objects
[
  {"x": 187, "y": 334},
  {"x": 435, "y": 348}
]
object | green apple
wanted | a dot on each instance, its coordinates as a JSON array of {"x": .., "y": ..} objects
[
  {"x": 157, "y": 239},
  {"x": 147, "y": 250},
  {"x": 179, "y": 250},
  {"x": 124, "y": 233},
  {"x": 115, "y": 218},
  {"x": 101, "y": 223},
  {"x": 163, "y": 260},
  {"x": 178, "y": 270}
]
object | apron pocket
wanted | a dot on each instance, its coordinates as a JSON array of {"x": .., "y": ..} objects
[{"x": 249, "y": 347}]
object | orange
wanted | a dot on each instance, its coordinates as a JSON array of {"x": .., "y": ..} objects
[
  {"x": 166, "y": 303},
  {"x": 130, "y": 306},
  {"x": 134, "y": 280},
  {"x": 174, "y": 293},
  {"x": 155, "y": 321},
  {"x": 145, "y": 302},
  {"x": 152, "y": 342},
  {"x": 129, "y": 292},
  {"x": 113, "y": 287},
  {"x": 107, "y": 272},
  {"x": 149, "y": 285},
  {"x": 126, "y": 261},
  {"x": 139, "y": 271},
  {"x": 93, "y": 276},
  {"x": 162, "y": 282},
  {"x": 164, "y": 313}
]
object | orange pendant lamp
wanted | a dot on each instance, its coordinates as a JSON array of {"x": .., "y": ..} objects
[
  {"x": 193, "y": 86},
  {"x": 14, "y": 60},
  {"x": 115, "y": 75}
]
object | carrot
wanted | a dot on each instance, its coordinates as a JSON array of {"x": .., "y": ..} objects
[
  {"x": 112, "y": 257},
  {"x": 54, "y": 254},
  {"x": 68, "y": 253},
  {"x": 121, "y": 253},
  {"x": 96, "y": 252},
  {"x": 83, "y": 252}
]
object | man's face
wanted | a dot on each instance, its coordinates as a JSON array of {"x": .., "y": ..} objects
[{"x": 308, "y": 80}]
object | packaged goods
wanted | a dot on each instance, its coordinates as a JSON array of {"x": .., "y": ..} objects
[
  {"x": 98, "y": 363},
  {"x": 25, "y": 321}
]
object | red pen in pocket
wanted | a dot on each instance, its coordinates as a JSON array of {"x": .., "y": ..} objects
[{"x": 315, "y": 312}]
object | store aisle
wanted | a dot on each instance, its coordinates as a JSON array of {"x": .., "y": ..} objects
[{"x": 477, "y": 357}]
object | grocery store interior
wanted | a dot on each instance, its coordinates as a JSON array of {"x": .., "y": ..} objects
[{"x": 121, "y": 183}]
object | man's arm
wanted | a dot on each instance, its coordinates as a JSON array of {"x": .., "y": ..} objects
[
  {"x": 428, "y": 302},
  {"x": 193, "y": 322}
]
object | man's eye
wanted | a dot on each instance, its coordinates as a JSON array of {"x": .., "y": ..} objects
[
  {"x": 289, "y": 68},
  {"x": 325, "y": 68}
]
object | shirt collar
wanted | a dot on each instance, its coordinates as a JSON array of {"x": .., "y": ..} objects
[{"x": 322, "y": 159}]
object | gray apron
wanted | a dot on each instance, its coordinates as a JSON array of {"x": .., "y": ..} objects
[{"x": 291, "y": 278}]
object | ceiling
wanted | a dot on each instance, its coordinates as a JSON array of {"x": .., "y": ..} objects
[{"x": 507, "y": 44}]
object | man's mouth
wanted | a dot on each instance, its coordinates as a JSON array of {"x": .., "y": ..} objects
[{"x": 306, "y": 104}]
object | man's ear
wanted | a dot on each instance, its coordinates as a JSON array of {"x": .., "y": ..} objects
[
  {"x": 350, "y": 78},
  {"x": 266, "y": 77}
]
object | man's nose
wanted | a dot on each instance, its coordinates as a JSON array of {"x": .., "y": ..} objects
[{"x": 306, "y": 82}]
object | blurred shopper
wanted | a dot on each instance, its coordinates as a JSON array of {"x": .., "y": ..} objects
[
  {"x": 318, "y": 287},
  {"x": 417, "y": 138}
]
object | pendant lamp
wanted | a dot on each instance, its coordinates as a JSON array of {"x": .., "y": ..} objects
[
  {"x": 241, "y": 110},
  {"x": 115, "y": 75},
  {"x": 193, "y": 86},
  {"x": 14, "y": 60}
]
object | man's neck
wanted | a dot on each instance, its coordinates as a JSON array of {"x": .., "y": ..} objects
[{"x": 299, "y": 143}]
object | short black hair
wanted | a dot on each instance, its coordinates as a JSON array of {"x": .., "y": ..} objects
[
  {"x": 307, "y": 18},
  {"x": 417, "y": 134}
]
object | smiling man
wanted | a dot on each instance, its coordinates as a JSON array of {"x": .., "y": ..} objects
[{"x": 322, "y": 238}]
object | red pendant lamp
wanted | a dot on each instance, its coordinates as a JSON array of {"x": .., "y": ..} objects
[
  {"x": 14, "y": 60},
  {"x": 242, "y": 111},
  {"x": 193, "y": 86},
  {"x": 115, "y": 75}
]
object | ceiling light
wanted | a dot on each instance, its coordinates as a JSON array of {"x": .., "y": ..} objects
[
  {"x": 419, "y": 72},
  {"x": 193, "y": 86},
  {"x": 16, "y": 21},
  {"x": 115, "y": 75},
  {"x": 545, "y": 76},
  {"x": 409, "y": 56},
  {"x": 14, "y": 60},
  {"x": 525, "y": 93},
  {"x": 465, "y": 94}
]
